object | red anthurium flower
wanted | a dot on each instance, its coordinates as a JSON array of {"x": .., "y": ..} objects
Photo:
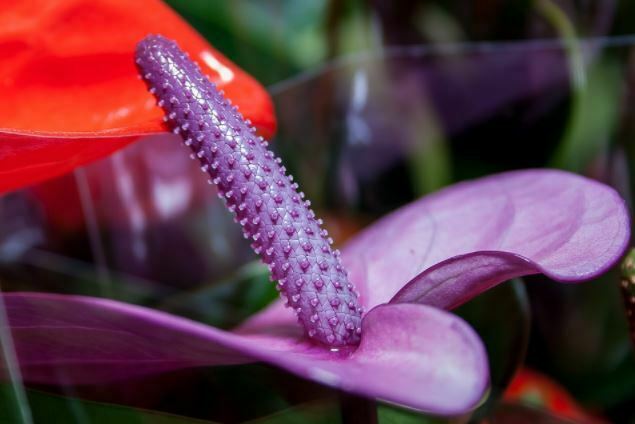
[{"x": 70, "y": 88}]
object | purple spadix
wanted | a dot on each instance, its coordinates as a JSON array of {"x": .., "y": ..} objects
[{"x": 258, "y": 192}]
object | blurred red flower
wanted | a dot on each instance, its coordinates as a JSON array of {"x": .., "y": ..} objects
[{"x": 70, "y": 88}]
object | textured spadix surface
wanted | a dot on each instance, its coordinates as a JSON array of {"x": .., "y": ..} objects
[{"x": 257, "y": 190}]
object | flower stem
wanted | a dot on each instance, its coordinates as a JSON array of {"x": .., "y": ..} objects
[{"x": 627, "y": 284}]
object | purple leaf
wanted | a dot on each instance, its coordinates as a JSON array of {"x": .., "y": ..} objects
[{"x": 409, "y": 354}]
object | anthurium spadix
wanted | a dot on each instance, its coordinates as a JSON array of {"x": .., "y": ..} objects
[{"x": 400, "y": 346}]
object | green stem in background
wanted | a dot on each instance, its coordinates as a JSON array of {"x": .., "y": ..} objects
[
  {"x": 561, "y": 22},
  {"x": 595, "y": 95},
  {"x": 429, "y": 162},
  {"x": 592, "y": 120},
  {"x": 429, "y": 157},
  {"x": 567, "y": 153},
  {"x": 53, "y": 408},
  {"x": 14, "y": 407},
  {"x": 627, "y": 283}
]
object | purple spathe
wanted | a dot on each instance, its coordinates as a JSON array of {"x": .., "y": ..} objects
[
  {"x": 437, "y": 252},
  {"x": 256, "y": 189},
  {"x": 458, "y": 242}
]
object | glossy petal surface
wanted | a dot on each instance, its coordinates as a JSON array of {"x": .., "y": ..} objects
[
  {"x": 412, "y": 355},
  {"x": 560, "y": 224},
  {"x": 70, "y": 87}
]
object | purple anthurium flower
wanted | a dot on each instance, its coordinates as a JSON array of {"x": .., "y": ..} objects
[
  {"x": 257, "y": 190},
  {"x": 437, "y": 252}
]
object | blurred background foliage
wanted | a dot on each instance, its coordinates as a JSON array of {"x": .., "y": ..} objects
[{"x": 379, "y": 102}]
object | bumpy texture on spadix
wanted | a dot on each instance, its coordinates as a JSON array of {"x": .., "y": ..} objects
[{"x": 256, "y": 189}]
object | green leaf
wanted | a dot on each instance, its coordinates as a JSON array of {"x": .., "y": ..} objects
[
  {"x": 321, "y": 412},
  {"x": 271, "y": 43},
  {"x": 387, "y": 414},
  {"x": 430, "y": 159},
  {"x": 14, "y": 407},
  {"x": 49, "y": 408},
  {"x": 593, "y": 118}
]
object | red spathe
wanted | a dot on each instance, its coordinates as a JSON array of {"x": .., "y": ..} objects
[{"x": 70, "y": 88}]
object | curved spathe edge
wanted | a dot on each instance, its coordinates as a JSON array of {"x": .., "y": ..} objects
[
  {"x": 454, "y": 281},
  {"x": 447, "y": 374}
]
